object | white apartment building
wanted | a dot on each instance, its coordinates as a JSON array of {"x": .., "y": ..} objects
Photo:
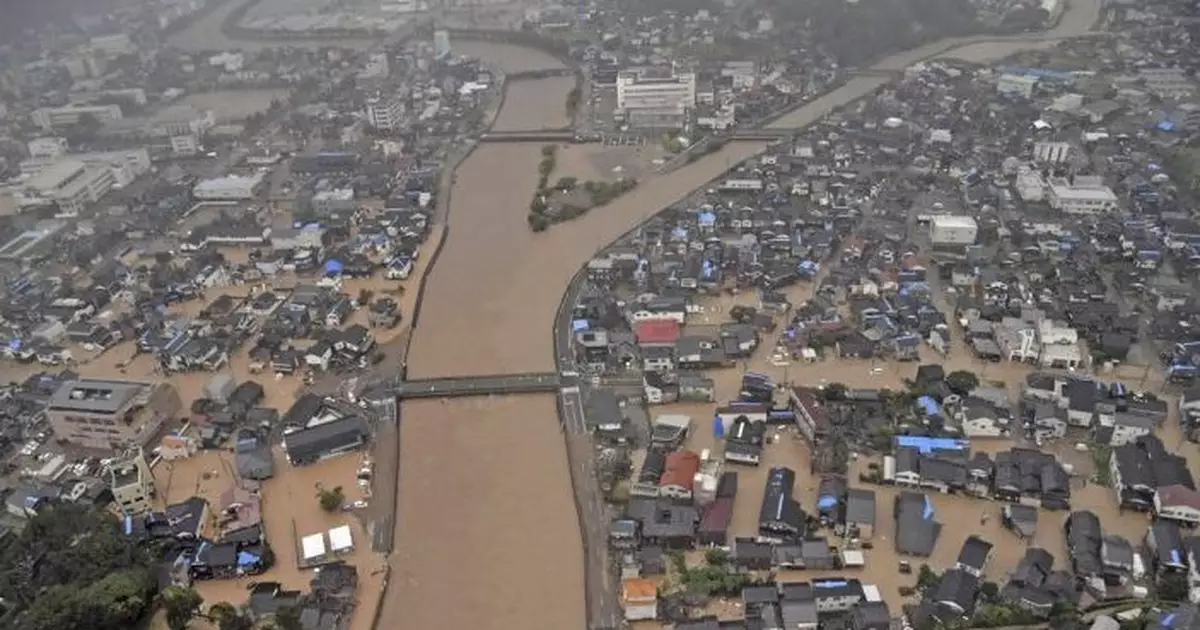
[
  {"x": 230, "y": 188},
  {"x": 50, "y": 118},
  {"x": 72, "y": 184},
  {"x": 386, "y": 114},
  {"x": 1085, "y": 195},
  {"x": 653, "y": 97}
]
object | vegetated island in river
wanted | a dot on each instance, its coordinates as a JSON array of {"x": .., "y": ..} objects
[{"x": 568, "y": 198}]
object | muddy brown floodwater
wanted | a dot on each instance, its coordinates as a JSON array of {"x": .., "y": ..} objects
[{"x": 486, "y": 535}]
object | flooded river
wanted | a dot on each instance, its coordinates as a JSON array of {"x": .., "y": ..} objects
[{"x": 485, "y": 506}]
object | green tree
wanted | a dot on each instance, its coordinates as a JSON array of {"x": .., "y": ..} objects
[
  {"x": 834, "y": 391},
  {"x": 537, "y": 222},
  {"x": 927, "y": 578},
  {"x": 228, "y": 617},
  {"x": 962, "y": 382},
  {"x": 288, "y": 618},
  {"x": 181, "y": 605},
  {"x": 1173, "y": 587},
  {"x": 331, "y": 499},
  {"x": 73, "y": 568},
  {"x": 572, "y": 101},
  {"x": 716, "y": 557},
  {"x": 566, "y": 184}
]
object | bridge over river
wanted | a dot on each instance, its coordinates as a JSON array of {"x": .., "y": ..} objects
[{"x": 492, "y": 385}]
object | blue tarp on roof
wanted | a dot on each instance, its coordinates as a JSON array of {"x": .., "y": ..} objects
[
  {"x": 334, "y": 266},
  {"x": 929, "y": 444},
  {"x": 826, "y": 502},
  {"x": 928, "y": 513},
  {"x": 928, "y": 405},
  {"x": 246, "y": 558},
  {"x": 829, "y": 583},
  {"x": 718, "y": 427},
  {"x": 580, "y": 324}
]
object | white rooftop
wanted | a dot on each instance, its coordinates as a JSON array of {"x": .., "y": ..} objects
[
  {"x": 340, "y": 539},
  {"x": 54, "y": 175},
  {"x": 313, "y": 546}
]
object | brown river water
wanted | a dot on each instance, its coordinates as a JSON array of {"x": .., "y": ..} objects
[{"x": 486, "y": 533}]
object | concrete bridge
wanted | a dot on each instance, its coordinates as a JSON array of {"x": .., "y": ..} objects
[
  {"x": 546, "y": 73},
  {"x": 532, "y": 135},
  {"x": 761, "y": 134},
  {"x": 495, "y": 385}
]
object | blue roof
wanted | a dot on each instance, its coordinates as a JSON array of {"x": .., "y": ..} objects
[{"x": 930, "y": 444}]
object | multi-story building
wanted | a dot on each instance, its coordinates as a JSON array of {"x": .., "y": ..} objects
[
  {"x": 116, "y": 415},
  {"x": 1084, "y": 195},
  {"x": 385, "y": 113},
  {"x": 50, "y": 118},
  {"x": 71, "y": 184},
  {"x": 229, "y": 188},
  {"x": 132, "y": 484},
  {"x": 650, "y": 97},
  {"x": 125, "y": 166}
]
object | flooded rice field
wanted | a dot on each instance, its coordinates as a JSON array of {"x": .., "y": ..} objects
[{"x": 487, "y": 535}]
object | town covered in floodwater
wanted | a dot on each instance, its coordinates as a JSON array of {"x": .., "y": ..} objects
[{"x": 689, "y": 315}]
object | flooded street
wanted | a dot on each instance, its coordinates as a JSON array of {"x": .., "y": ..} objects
[{"x": 469, "y": 543}]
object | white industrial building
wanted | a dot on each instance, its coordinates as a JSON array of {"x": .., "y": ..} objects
[
  {"x": 1018, "y": 84},
  {"x": 650, "y": 97},
  {"x": 50, "y": 118},
  {"x": 1051, "y": 152},
  {"x": 1084, "y": 195},
  {"x": 385, "y": 113},
  {"x": 335, "y": 200},
  {"x": 953, "y": 230},
  {"x": 125, "y": 166},
  {"x": 70, "y": 183},
  {"x": 228, "y": 188}
]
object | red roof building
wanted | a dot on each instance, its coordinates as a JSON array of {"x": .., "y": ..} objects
[{"x": 657, "y": 332}]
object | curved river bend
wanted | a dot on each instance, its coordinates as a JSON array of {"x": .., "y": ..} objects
[{"x": 487, "y": 536}]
